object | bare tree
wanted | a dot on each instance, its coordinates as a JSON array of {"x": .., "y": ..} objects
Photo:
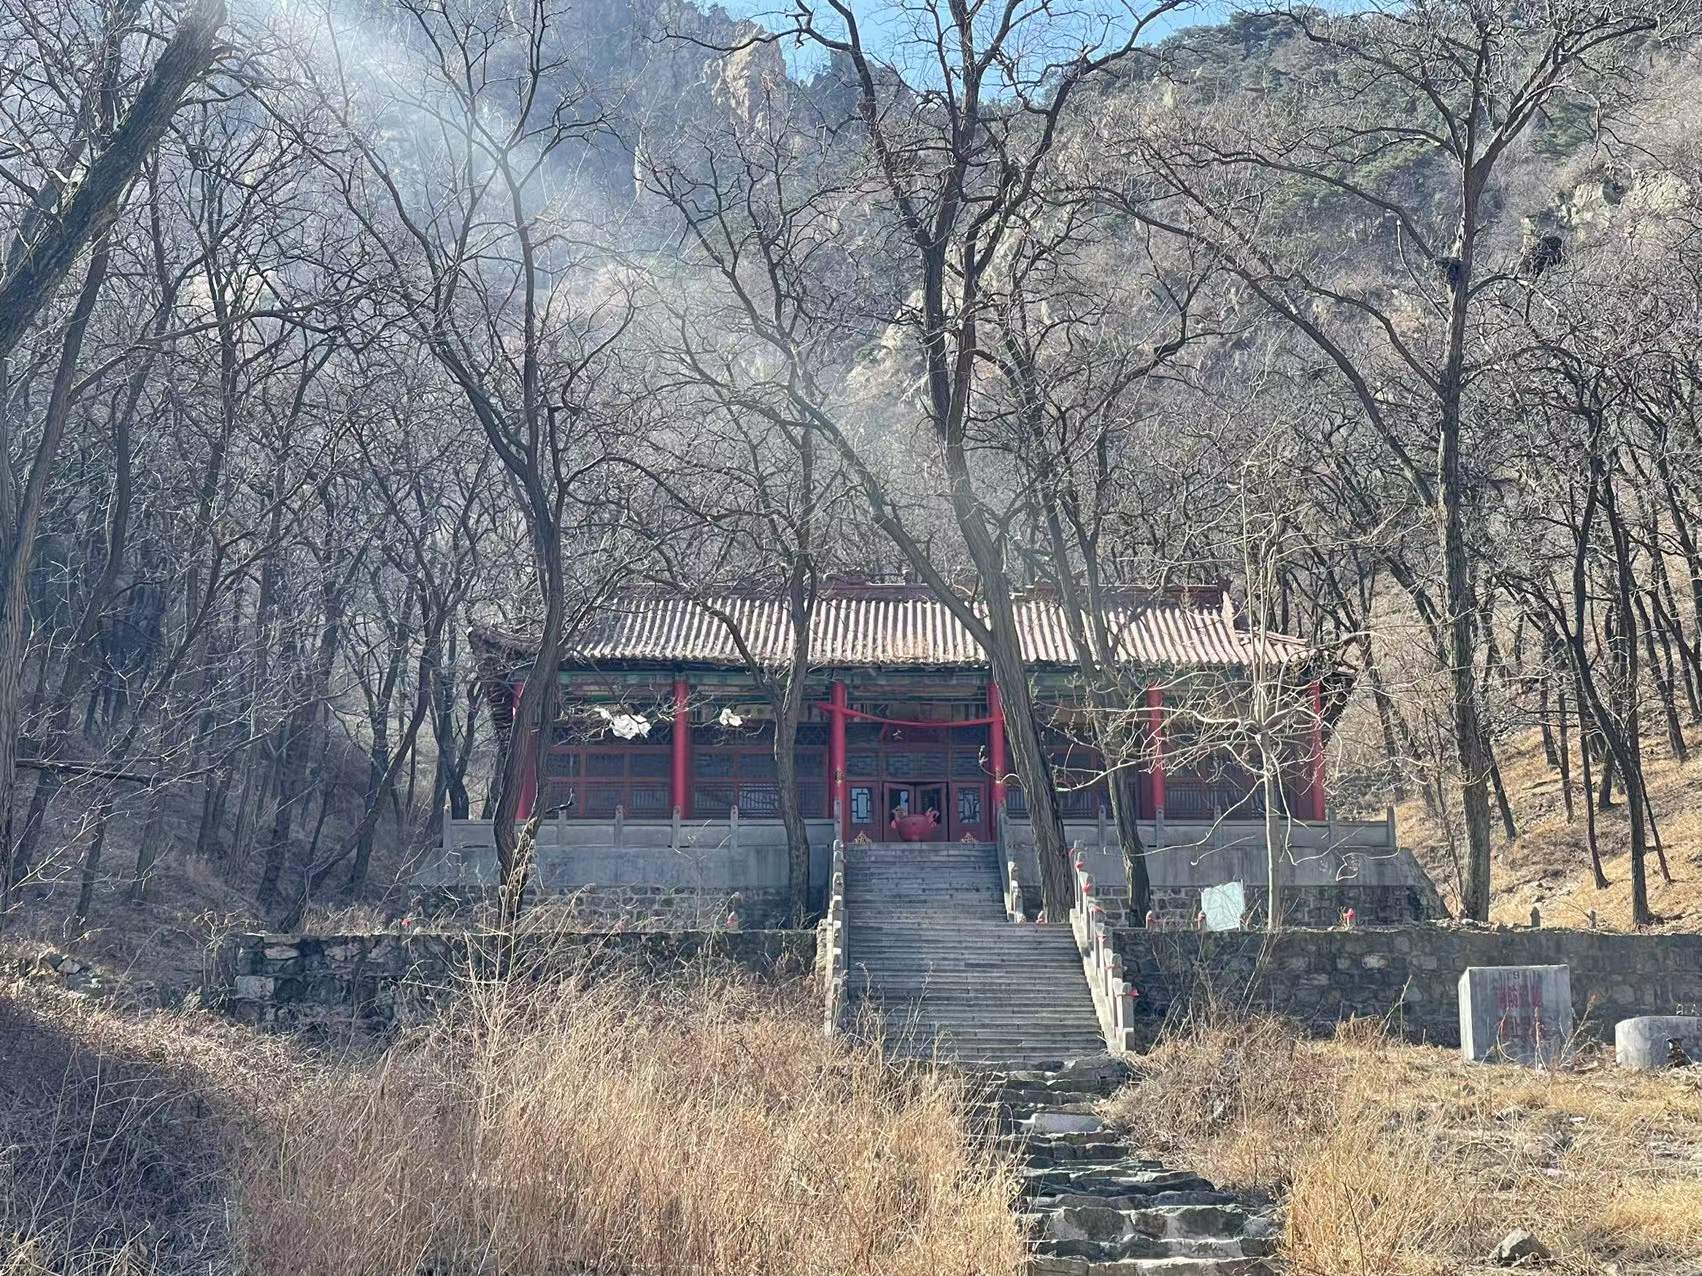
[
  {"x": 1450, "y": 90},
  {"x": 475, "y": 246},
  {"x": 947, "y": 166},
  {"x": 59, "y": 219}
]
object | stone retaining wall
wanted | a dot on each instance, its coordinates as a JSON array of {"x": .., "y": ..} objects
[
  {"x": 1409, "y": 975},
  {"x": 623, "y": 906},
  {"x": 1310, "y": 906},
  {"x": 681, "y": 875},
  {"x": 375, "y": 980}
]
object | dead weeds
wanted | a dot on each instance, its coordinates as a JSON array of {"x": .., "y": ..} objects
[{"x": 1406, "y": 1161}]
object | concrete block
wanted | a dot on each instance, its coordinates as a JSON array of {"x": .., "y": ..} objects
[
  {"x": 1518, "y": 1014},
  {"x": 1643, "y": 1042}
]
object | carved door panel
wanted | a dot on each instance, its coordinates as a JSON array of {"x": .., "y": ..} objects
[{"x": 969, "y": 814}]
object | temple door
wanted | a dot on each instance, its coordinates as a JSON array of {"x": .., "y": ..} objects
[{"x": 969, "y": 814}]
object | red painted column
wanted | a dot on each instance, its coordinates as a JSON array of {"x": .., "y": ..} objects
[
  {"x": 1155, "y": 725},
  {"x": 836, "y": 755},
  {"x": 528, "y": 764},
  {"x": 681, "y": 783},
  {"x": 996, "y": 742},
  {"x": 1317, "y": 758}
]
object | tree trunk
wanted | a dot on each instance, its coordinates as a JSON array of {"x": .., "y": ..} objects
[
  {"x": 16, "y": 552},
  {"x": 1125, "y": 816},
  {"x": 792, "y": 816},
  {"x": 1550, "y": 751},
  {"x": 1664, "y": 684},
  {"x": 1589, "y": 805},
  {"x": 95, "y": 204},
  {"x": 1565, "y": 750},
  {"x": 1275, "y": 842},
  {"x": 1503, "y": 805}
]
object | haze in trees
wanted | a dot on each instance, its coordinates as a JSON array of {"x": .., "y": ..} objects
[{"x": 330, "y": 332}]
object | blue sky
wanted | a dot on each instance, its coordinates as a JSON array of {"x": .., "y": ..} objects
[{"x": 887, "y": 23}]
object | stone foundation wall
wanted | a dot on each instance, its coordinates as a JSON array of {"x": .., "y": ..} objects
[
  {"x": 628, "y": 907},
  {"x": 377, "y": 981},
  {"x": 635, "y": 874},
  {"x": 1407, "y": 975},
  {"x": 1318, "y": 907}
]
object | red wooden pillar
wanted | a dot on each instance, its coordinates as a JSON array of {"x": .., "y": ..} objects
[
  {"x": 1316, "y": 779},
  {"x": 1155, "y": 725},
  {"x": 528, "y": 743},
  {"x": 996, "y": 742},
  {"x": 681, "y": 751},
  {"x": 836, "y": 756}
]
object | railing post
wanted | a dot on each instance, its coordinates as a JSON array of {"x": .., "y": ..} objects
[
  {"x": 1113, "y": 996},
  {"x": 833, "y": 1009},
  {"x": 1389, "y": 826},
  {"x": 620, "y": 825},
  {"x": 733, "y": 826}
]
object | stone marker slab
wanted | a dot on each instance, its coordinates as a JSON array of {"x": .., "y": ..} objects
[
  {"x": 1643, "y": 1042},
  {"x": 1515, "y": 1014}
]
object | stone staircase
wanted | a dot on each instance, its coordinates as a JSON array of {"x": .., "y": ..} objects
[
  {"x": 930, "y": 950},
  {"x": 1092, "y": 1207}
]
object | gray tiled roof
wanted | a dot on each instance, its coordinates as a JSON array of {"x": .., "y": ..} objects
[{"x": 883, "y": 627}]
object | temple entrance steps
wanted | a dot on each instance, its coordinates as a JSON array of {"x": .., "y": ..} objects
[
  {"x": 937, "y": 969},
  {"x": 1091, "y": 1205}
]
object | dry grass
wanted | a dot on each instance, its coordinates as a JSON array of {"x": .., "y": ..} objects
[
  {"x": 701, "y": 1126},
  {"x": 1405, "y": 1161},
  {"x": 619, "y": 1127},
  {"x": 117, "y": 1131}
]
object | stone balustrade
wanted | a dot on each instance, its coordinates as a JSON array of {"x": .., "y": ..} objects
[
  {"x": 1014, "y": 906},
  {"x": 1113, "y": 996},
  {"x": 833, "y": 944}
]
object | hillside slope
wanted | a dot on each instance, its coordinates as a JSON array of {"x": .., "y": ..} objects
[{"x": 1548, "y": 865}]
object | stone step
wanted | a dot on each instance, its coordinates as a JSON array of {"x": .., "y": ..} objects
[
  {"x": 1128, "y": 1178},
  {"x": 934, "y": 948},
  {"x": 1069, "y": 1033},
  {"x": 1068, "y": 1037},
  {"x": 1005, "y": 1003},
  {"x": 997, "y": 937},
  {"x": 1102, "y": 1223},
  {"x": 990, "y": 977},
  {"x": 984, "y": 1051},
  {"x": 922, "y": 943},
  {"x": 1179, "y": 1266},
  {"x": 990, "y": 987},
  {"x": 1146, "y": 1247},
  {"x": 980, "y": 1007},
  {"x": 1008, "y": 1008},
  {"x": 958, "y": 930},
  {"x": 1131, "y": 1204},
  {"x": 1072, "y": 1154},
  {"x": 1014, "y": 961}
]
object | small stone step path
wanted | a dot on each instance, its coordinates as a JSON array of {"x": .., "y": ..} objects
[{"x": 1091, "y": 1205}]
